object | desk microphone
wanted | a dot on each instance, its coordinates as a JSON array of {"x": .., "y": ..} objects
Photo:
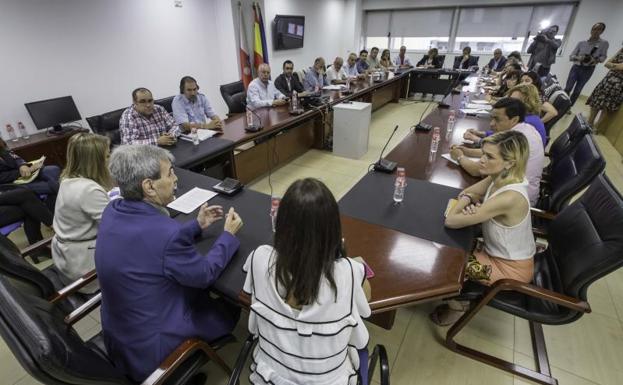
[
  {"x": 384, "y": 165},
  {"x": 254, "y": 127}
]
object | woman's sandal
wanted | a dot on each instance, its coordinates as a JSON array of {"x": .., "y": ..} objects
[{"x": 443, "y": 315}]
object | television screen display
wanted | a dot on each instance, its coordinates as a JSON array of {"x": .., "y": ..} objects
[
  {"x": 53, "y": 112},
  {"x": 288, "y": 32}
]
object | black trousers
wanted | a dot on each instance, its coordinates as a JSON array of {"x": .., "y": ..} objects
[{"x": 21, "y": 204}]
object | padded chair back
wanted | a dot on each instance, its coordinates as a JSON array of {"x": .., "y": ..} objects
[
  {"x": 235, "y": 96},
  {"x": 574, "y": 171},
  {"x": 166, "y": 103},
  {"x": 107, "y": 124},
  {"x": 569, "y": 138},
  {"x": 560, "y": 100},
  {"x": 442, "y": 59},
  {"x": 48, "y": 350}
]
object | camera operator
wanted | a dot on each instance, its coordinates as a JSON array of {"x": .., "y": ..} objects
[
  {"x": 543, "y": 50},
  {"x": 585, "y": 57}
]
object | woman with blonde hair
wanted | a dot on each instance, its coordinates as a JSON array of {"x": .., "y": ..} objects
[
  {"x": 386, "y": 61},
  {"x": 82, "y": 197},
  {"x": 529, "y": 95},
  {"x": 500, "y": 203}
]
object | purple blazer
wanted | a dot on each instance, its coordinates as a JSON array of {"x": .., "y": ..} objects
[{"x": 153, "y": 284}]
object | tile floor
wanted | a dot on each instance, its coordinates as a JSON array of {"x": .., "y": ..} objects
[{"x": 586, "y": 352}]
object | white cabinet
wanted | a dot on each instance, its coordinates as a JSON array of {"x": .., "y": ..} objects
[{"x": 351, "y": 129}]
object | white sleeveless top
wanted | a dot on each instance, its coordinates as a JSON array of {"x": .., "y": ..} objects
[
  {"x": 315, "y": 345},
  {"x": 509, "y": 242}
]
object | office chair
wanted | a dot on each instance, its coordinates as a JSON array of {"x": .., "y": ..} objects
[
  {"x": 569, "y": 138},
  {"x": 378, "y": 354},
  {"x": 561, "y": 101},
  {"x": 585, "y": 244},
  {"x": 107, "y": 124},
  {"x": 235, "y": 97},
  {"x": 166, "y": 103}
]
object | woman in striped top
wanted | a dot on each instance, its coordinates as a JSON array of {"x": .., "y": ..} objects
[{"x": 308, "y": 299}]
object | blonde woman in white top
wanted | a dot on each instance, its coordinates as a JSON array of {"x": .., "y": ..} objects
[
  {"x": 82, "y": 197},
  {"x": 500, "y": 203},
  {"x": 307, "y": 299}
]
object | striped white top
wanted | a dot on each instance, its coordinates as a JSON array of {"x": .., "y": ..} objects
[{"x": 315, "y": 345}]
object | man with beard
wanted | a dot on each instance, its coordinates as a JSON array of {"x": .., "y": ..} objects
[
  {"x": 191, "y": 109},
  {"x": 146, "y": 123}
]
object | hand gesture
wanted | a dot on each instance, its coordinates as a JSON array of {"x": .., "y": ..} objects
[
  {"x": 456, "y": 152},
  {"x": 166, "y": 140},
  {"x": 208, "y": 215},
  {"x": 470, "y": 135},
  {"x": 471, "y": 209},
  {"x": 215, "y": 124},
  {"x": 24, "y": 171},
  {"x": 233, "y": 222},
  {"x": 279, "y": 102}
]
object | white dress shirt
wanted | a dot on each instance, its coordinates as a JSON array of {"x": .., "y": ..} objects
[
  {"x": 262, "y": 95},
  {"x": 332, "y": 74}
]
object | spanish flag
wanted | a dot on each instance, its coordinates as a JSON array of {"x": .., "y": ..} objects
[
  {"x": 245, "y": 59},
  {"x": 259, "y": 46}
]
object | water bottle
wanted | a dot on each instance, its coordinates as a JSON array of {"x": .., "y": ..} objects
[
  {"x": 399, "y": 185},
  {"x": 467, "y": 98},
  {"x": 274, "y": 208},
  {"x": 451, "y": 121},
  {"x": 348, "y": 82},
  {"x": 22, "y": 130},
  {"x": 195, "y": 136},
  {"x": 371, "y": 80},
  {"x": 294, "y": 101},
  {"x": 11, "y": 132},
  {"x": 434, "y": 143},
  {"x": 249, "y": 117}
]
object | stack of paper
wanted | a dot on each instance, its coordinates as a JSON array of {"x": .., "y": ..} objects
[
  {"x": 202, "y": 133},
  {"x": 479, "y": 106},
  {"x": 34, "y": 174},
  {"x": 190, "y": 201}
]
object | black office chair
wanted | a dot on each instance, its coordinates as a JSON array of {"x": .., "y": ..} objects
[
  {"x": 107, "y": 124},
  {"x": 378, "y": 354},
  {"x": 585, "y": 244},
  {"x": 442, "y": 59},
  {"x": 45, "y": 284},
  {"x": 166, "y": 103},
  {"x": 569, "y": 138},
  {"x": 235, "y": 96},
  {"x": 569, "y": 174},
  {"x": 457, "y": 61},
  {"x": 561, "y": 101}
]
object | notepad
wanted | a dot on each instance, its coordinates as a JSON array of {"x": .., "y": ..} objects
[
  {"x": 34, "y": 174},
  {"x": 190, "y": 201},
  {"x": 202, "y": 133},
  {"x": 449, "y": 158},
  {"x": 479, "y": 101},
  {"x": 335, "y": 87}
]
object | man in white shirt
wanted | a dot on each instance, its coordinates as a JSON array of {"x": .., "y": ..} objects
[
  {"x": 351, "y": 66},
  {"x": 373, "y": 60},
  {"x": 402, "y": 60},
  {"x": 262, "y": 91},
  {"x": 336, "y": 73}
]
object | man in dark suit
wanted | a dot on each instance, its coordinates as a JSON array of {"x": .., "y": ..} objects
[
  {"x": 287, "y": 82},
  {"x": 498, "y": 61},
  {"x": 431, "y": 60},
  {"x": 466, "y": 61}
]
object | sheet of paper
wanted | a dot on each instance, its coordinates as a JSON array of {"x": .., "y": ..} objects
[
  {"x": 202, "y": 133},
  {"x": 336, "y": 87},
  {"x": 475, "y": 111},
  {"x": 449, "y": 158},
  {"x": 479, "y": 101},
  {"x": 476, "y": 106},
  {"x": 190, "y": 201}
]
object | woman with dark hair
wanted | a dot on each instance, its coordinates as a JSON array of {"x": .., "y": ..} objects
[
  {"x": 510, "y": 80},
  {"x": 548, "y": 111},
  {"x": 12, "y": 167},
  {"x": 308, "y": 299},
  {"x": 430, "y": 60}
]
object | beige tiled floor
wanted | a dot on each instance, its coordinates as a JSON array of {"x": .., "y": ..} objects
[{"x": 586, "y": 352}]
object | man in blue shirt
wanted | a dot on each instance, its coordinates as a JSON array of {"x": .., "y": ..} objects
[
  {"x": 192, "y": 109},
  {"x": 315, "y": 77},
  {"x": 351, "y": 66},
  {"x": 362, "y": 62}
]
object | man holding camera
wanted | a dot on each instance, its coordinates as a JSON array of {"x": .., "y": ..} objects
[
  {"x": 543, "y": 50},
  {"x": 585, "y": 57}
]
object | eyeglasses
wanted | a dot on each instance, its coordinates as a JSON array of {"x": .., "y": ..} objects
[{"x": 145, "y": 101}]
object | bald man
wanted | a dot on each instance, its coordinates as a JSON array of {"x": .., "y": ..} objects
[
  {"x": 262, "y": 91},
  {"x": 336, "y": 73},
  {"x": 498, "y": 61}
]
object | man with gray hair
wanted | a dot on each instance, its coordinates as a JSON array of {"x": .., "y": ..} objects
[
  {"x": 262, "y": 91},
  {"x": 315, "y": 77},
  {"x": 154, "y": 283}
]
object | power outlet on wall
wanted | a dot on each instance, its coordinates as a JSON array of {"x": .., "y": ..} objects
[{"x": 178, "y": 3}]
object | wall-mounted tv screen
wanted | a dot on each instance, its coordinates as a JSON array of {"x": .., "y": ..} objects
[{"x": 288, "y": 32}]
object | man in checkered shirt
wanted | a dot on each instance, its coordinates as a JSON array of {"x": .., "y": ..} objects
[{"x": 147, "y": 123}]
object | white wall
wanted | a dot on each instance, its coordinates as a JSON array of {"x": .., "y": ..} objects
[
  {"x": 99, "y": 50},
  {"x": 589, "y": 12}
]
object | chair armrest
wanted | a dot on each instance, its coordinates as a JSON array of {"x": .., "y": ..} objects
[
  {"x": 74, "y": 286},
  {"x": 181, "y": 354},
  {"x": 35, "y": 246},
  {"x": 539, "y": 292},
  {"x": 82, "y": 311},
  {"x": 241, "y": 360},
  {"x": 379, "y": 353},
  {"x": 548, "y": 215}
]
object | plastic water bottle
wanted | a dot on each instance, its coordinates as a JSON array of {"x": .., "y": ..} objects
[
  {"x": 467, "y": 98},
  {"x": 11, "y": 131},
  {"x": 22, "y": 130},
  {"x": 348, "y": 82},
  {"x": 434, "y": 143},
  {"x": 249, "y": 117},
  {"x": 195, "y": 135},
  {"x": 371, "y": 80},
  {"x": 274, "y": 208},
  {"x": 294, "y": 101},
  {"x": 451, "y": 121},
  {"x": 399, "y": 185}
]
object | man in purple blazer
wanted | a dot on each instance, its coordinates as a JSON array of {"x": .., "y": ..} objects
[{"x": 153, "y": 281}]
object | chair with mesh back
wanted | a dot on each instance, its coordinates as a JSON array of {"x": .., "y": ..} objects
[{"x": 585, "y": 243}]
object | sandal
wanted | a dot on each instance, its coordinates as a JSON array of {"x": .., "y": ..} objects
[{"x": 444, "y": 315}]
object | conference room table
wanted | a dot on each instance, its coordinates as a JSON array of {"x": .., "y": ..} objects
[{"x": 409, "y": 269}]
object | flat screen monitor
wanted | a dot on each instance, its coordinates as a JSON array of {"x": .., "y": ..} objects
[
  {"x": 53, "y": 112},
  {"x": 288, "y": 32}
]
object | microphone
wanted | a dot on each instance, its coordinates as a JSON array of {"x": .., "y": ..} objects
[
  {"x": 384, "y": 165},
  {"x": 254, "y": 127}
]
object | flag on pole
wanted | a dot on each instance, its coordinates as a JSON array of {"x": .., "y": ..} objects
[
  {"x": 259, "y": 47},
  {"x": 245, "y": 59}
]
